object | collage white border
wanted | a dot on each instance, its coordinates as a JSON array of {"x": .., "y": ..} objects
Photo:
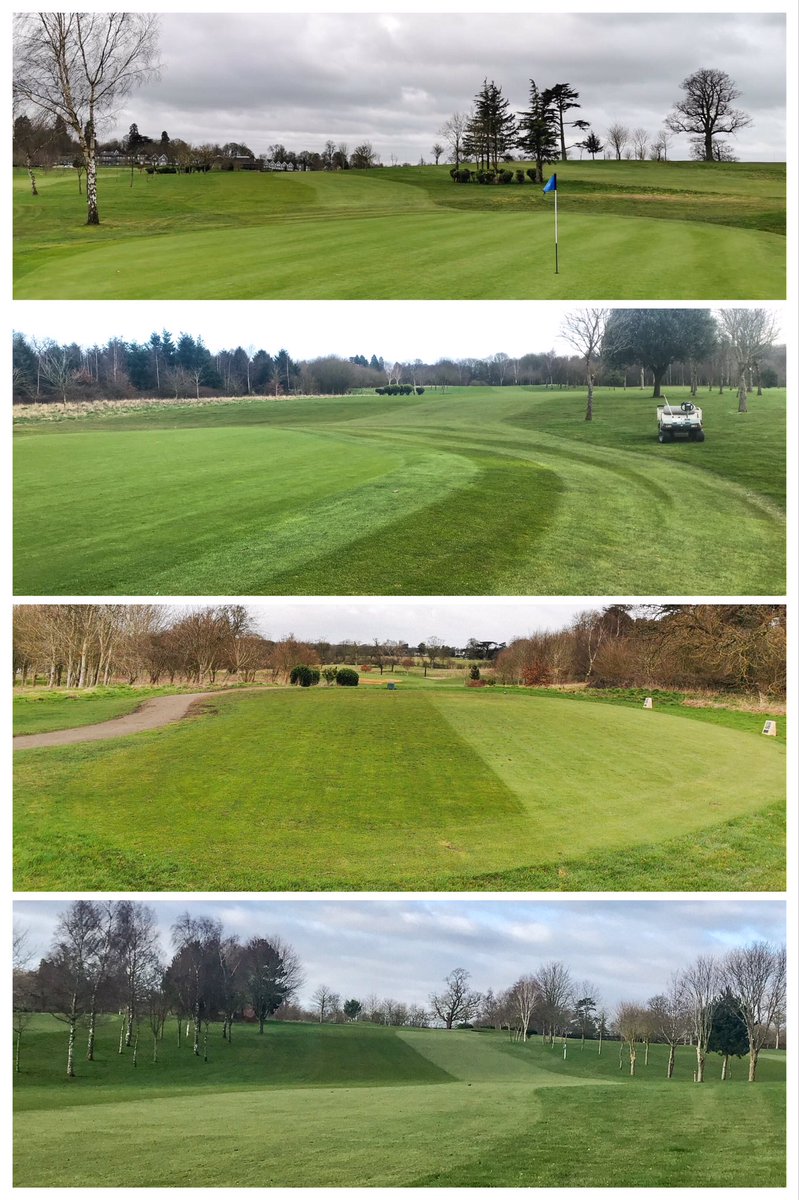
[{"x": 791, "y": 323}]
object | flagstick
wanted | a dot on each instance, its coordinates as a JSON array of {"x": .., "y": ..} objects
[{"x": 556, "y": 231}]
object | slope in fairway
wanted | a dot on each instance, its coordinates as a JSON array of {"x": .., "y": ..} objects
[
  {"x": 332, "y": 789},
  {"x": 366, "y": 1106},
  {"x": 481, "y": 491},
  {"x": 628, "y": 230}
]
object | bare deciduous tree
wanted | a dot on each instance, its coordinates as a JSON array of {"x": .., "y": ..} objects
[
  {"x": 706, "y": 108},
  {"x": 618, "y": 136},
  {"x": 584, "y": 330},
  {"x": 756, "y": 976},
  {"x": 524, "y": 995},
  {"x": 701, "y": 983},
  {"x": 670, "y": 1018},
  {"x": 750, "y": 332},
  {"x": 457, "y": 1002},
  {"x": 77, "y": 66}
]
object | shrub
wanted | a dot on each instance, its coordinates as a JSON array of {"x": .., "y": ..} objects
[
  {"x": 167, "y": 170},
  {"x": 303, "y": 676},
  {"x": 346, "y": 677},
  {"x": 505, "y": 176},
  {"x": 329, "y": 674},
  {"x": 520, "y": 176},
  {"x": 461, "y": 174},
  {"x": 474, "y": 672},
  {"x": 419, "y": 391},
  {"x": 365, "y": 667},
  {"x": 531, "y": 174},
  {"x": 486, "y": 176}
]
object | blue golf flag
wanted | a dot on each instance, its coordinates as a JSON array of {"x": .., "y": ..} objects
[{"x": 552, "y": 184}]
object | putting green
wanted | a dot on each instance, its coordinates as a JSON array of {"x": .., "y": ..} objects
[
  {"x": 332, "y": 789},
  {"x": 627, "y": 231},
  {"x": 484, "y": 256},
  {"x": 481, "y": 491}
]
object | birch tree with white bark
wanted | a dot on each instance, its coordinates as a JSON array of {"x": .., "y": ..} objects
[
  {"x": 701, "y": 983},
  {"x": 77, "y": 67}
]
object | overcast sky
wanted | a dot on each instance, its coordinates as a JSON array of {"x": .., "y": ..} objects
[
  {"x": 392, "y": 80},
  {"x": 398, "y": 330},
  {"x": 402, "y": 947},
  {"x": 411, "y": 620}
]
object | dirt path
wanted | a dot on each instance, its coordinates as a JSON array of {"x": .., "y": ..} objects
[{"x": 151, "y": 714}]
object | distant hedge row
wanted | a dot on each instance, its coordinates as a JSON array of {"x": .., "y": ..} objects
[
  {"x": 503, "y": 175},
  {"x": 303, "y": 676},
  {"x": 399, "y": 389}
]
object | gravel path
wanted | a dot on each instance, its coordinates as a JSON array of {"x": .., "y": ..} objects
[{"x": 151, "y": 714}]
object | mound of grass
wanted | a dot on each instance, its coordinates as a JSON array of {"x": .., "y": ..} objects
[
  {"x": 628, "y": 230},
  {"x": 480, "y": 491},
  {"x": 421, "y": 789},
  {"x": 361, "y": 1106}
]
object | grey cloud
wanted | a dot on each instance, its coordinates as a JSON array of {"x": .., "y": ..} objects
[
  {"x": 403, "y": 947},
  {"x": 302, "y": 78}
]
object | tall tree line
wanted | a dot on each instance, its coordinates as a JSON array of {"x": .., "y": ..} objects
[
  {"x": 738, "y": 350},
  {"x": 109, "y": 962},
  {"x": 736, "y": 647}
]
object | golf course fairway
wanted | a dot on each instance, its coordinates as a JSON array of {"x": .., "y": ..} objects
[
  {"x": 628, "y": 230},
  {"x": 478, "y": 491},
  {"x": 418, "y": 789},
  {"x": 366, "y": 1106}
]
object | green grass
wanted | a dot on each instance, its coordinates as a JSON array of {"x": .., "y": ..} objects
[
  {"x": 627, "y": 231},
  {"x": 478, "y": 491},
  {"x": 420, "y": 789},
  {"x": 362, "y": 1106}
]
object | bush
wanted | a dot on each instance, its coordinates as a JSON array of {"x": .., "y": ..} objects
[
  {"x": 474, "y": 672},
  {"x": 346, "y": 677},
  {"x": 167, "y": 170},
  {"x": 395, "y": 389},
  {"x": 419, "y": 391},
  {"x": 486, "y": 176},
  {"x": 520, "y": 176},
  {"x": 461, "y": 174},
  {"x": 303, "y": 676},
  {"x": 329, "y": 674},
  {"x": 505, "y": 176},
  {"x": 531, "y": 174}
]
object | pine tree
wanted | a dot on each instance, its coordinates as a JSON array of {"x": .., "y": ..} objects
[
  {"x": 538, "y": 130},
  {"x": 491, "y": 131}
]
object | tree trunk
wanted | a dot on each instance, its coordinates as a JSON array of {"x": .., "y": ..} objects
[
  {"x": 708, "y": 146},
  {"x": 90, "y": 1039},
  {"x": 29, "y": 165},
  {"x": 122, "y": 1037},
  {"x": 657, "y": 378},
  {"x": 92, "y": 211},
  {"x": 136, "y": 1049},
  {"x": 633, "y": 1057},
  {"x": 699, "y": 1077},
  {"x": 753, "y": 1053},
  {"x": 742, "y": 405},
  {"x": 670, "y": 1064},
  {"x": 589, "y": 407},
  {"x": 17, "y": 1049},
  {"x": 725, "y": 1067},
  {"x": 155, "y": 1048},
  {"x": 73, "y": 1020}
]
